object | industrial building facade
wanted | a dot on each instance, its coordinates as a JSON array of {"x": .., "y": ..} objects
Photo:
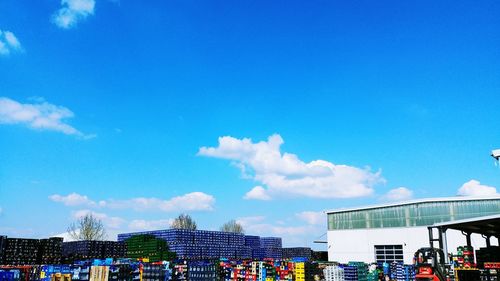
[{"x": 393, "y": 232}]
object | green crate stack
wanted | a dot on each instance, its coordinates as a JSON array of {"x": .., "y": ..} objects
[
  {"x": 362, "y": 270},
  {"x": 148, "y": 246}
]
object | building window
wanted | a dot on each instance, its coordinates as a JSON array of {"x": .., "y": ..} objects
[{"x": 389, "y": 253}]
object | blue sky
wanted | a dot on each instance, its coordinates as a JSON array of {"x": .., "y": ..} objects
[{"x": 105, "y": 105}]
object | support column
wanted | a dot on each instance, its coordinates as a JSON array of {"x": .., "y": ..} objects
[
  {"x": 469, "y": 243},
  {"x": 445, "y": 247},
  {"x": 488, "y": 242}
]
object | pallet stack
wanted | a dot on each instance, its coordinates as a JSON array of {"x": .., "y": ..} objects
[
  {"x": 334, "y": 273},
  {"x": 202, "y": 244},
  {"x": 203, "y": 271},
  {"x": 297, "y": 252},
  {"x": 87, "y": 249},
  {"x": 148, "y": 247}
]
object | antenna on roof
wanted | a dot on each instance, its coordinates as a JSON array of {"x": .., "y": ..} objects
[{"x": 496, "y": 154}]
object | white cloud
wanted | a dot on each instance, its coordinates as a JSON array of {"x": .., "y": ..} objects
[
  {"x": 312, "y": 218},
  {"x": 8, "y": 43},
  {"x": 257, "y": 193},
  {"x": 284, "y": 174},
  {"x": 108, "y": 221},
  {"x": 39, "y": 116},
  {"x": 73, "y": 11},
  {"x": 194, "y": 201},
  {"x": 141, "y": 225},
  {"x": 398, "y": 194},
  {"x": 301, "y": 235},
  {"x": 72, "y": 199},
  {"x": 475, "y": 188}
]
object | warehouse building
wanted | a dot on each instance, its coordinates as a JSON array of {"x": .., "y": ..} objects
[{"x": 393, "y": 232}]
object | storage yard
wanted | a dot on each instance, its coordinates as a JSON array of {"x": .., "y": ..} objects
[{"x": 182, "y": 254}]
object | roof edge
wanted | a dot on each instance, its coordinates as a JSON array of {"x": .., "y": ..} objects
[{"x": 415, "y": 201}]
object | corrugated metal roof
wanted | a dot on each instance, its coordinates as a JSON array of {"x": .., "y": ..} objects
[{"x": 416, "y": 201}]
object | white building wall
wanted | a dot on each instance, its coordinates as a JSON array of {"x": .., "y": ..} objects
[{"x": 358, "y": 244}]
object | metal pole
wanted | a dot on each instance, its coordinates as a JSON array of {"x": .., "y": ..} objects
[
  {"x": 469, "y": 243},
  {"x": 445, "y": 247}
]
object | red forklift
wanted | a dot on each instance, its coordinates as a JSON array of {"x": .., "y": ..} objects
[{"x": 430, "y": 265}]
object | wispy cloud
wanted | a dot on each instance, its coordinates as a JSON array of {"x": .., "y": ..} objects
[
  {"x": 312, "y": 218},
  {"x": 475, "y": 188},
  {"x": 257, "y": 193},
  {"x": 9, "y": 43},
  {"x": 398, "y": 194},
  {"x": 292, "y": 235},
  {"x": 40, "y": 116},
  {"x": 281, "y": 174},
  {"x": 108, "y": 221},
  {"x": 73, "y": 11},
  {"x": 194, "y": 201},
  {"x": 72, "y": 199},
  {"x": 142, "y": 225}
]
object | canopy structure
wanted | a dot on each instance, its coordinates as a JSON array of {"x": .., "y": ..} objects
[{"x": 487, "y": 226}]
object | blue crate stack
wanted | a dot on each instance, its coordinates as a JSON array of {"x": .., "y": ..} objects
[{"x": 204, "y": 244}]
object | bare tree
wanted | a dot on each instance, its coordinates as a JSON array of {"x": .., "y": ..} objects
[
  {"x": 87, "y": 227},
  {"x": 183, "y": 221},
  {"x": 232, "y": 226}
]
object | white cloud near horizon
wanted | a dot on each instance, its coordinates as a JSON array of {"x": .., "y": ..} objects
[
  {"x": 39, "y": 116},
  {"x": 144, "y": 225},
  {"x": 475, "y": 188},
  {"x": 312, "y": 218},
  {"x": 284, "y": 174},
  {"x": 73, "y": 11},
  {"x": 194, "y": 201},
  {"x": 398, "y": 194},
  {"x": 301, "y": 235},
  {"x": 109, "y": 221},
  {"x": 9, "y": 43}
]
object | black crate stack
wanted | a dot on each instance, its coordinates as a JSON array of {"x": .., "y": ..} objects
[
  {"x": 87, "y": 249},
  {"x": 297, "y": 252},
  {"x": 50, "y": 251},
  {"x": 3, "y": 241},
  {"x": 20, "y": 251}
]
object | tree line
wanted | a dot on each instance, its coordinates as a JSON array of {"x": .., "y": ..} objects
[{"x": 90, "y": 227}]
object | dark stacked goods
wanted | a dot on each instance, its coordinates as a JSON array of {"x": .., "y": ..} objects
[
  {"x": 490, "y": 254},
  {"x": 148, "y": 246},
  {"x": 299, "y": 252},
  {"x": 270, "y": 247},
  {"x": 19, "y": 251},
  {"x": 78, "y": 250},
  {"x": 3, "y": 241},
  {"x": 50, "y": 251}
]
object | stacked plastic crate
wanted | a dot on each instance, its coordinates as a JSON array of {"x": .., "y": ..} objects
[
  {"x": 50, "y": 251},
  {"x": 398, "y": 271},
  {"x": 88, "y": 249},
  {"x": 19, "y": 251},
  {"x": 148, "y": 246},
  {"x": 203, "y": 271},
  {"x": 357, "y": 271},
  {"x": 270, "y": 247},
  {"x": 180, "y": 272},
  {"x": 333, "y": 273},
  {"x": 297, "y": 252}
]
